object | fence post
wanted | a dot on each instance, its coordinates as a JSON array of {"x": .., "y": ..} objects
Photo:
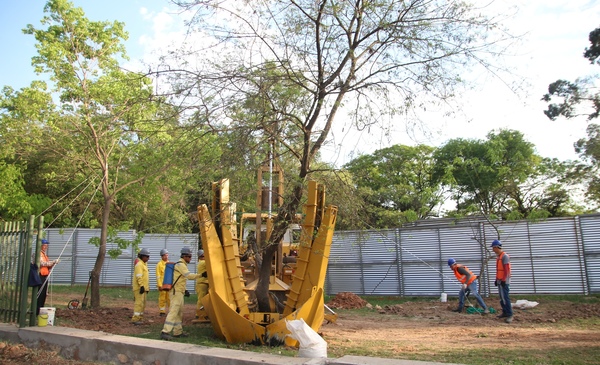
[
  {"x": 36, "y": 257},
  {"x": 24, "y": 268}
]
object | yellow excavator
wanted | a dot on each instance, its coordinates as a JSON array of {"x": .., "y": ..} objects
[{"x": 296, "y": 289}]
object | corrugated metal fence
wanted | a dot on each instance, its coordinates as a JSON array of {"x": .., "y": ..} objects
[
  {"x": 77, "y": 256},
  {"x": 548, "y": 257},
  {"x": 560, "y": 255}
]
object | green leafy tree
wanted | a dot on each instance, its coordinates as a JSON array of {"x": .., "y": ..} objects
[
  {"x": 482, "y": 173},
  {"x": 31, "y": 104},
  {"x": 580, "y": 93},
  {"x": 547, "y": 192},
  {"x": 397, "y": 183},
  {"x": 369, "y": 59},
  {"x": 573, "y": 99},
  {"x": 588, "y": 172},
  {"x": 100, "y": 124}
]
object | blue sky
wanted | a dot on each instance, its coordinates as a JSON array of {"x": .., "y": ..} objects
[
  {"x": 555, "y": 31},
  {"x": 18, "y": 48}
]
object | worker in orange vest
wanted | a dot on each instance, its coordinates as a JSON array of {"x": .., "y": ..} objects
[
  {"x": 503, "y": 274},
  {"x": 46, "y": 266},
  {"x": 468, "y": 285}
]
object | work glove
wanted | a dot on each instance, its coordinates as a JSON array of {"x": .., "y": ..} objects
[
  {"x": 186, "y": 294},
  {"x": 142, "y": 290},
  {"x": 204, "y": 275},
  {"x": 464, "y": 286},
  {"x": 503, "y": 283},
  {"x": 496, "y": 282},
  {"x": 56, "y": 262}
]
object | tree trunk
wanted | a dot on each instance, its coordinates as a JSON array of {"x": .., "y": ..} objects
[
  {"x": 264, "y": 276},
  {"x": 95, "y": 282},
  {"x": 282, "y": 221}
]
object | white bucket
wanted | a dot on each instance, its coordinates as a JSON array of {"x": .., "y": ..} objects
[
  {"x": 444, "y": 298},
  {"x": 50, "y": 311}
]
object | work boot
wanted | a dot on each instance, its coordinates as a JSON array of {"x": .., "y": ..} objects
[
  {"x": 458, "y": 310},
  {"x": 162, "y": 314},
  {"x": 183, "y": 334},
  {"x": 165, "y": 336},
  {"x": 486, "y": 311},
  {"x": 509, "y": 319},
  {"x": 138, "y": 323},
  {"x": 502, "y": 315}
]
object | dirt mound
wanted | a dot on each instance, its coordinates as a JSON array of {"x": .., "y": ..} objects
[{"x": 346, "y": 300}]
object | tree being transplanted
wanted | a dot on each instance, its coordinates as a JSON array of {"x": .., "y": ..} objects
[{"x": 370, "y": 60}]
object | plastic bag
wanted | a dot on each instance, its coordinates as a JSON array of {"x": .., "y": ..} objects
[{"x": 311, "y": 344}]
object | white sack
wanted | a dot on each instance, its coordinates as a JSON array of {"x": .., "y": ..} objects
[
  {"x": 524, "y": 304},
  {"x": 311, "y": 344}
]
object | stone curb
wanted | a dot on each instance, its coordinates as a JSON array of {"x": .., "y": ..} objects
[{"x": 85, "y": 345}]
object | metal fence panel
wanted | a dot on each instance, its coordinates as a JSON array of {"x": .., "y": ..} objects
[
  {"x": 344, "y": 264},
  {"x": 420, "y": 257},
  {"x": 555, "y": 257},
  {"x": 590, "y": 237},
  {"x": 343, "y": 278}
]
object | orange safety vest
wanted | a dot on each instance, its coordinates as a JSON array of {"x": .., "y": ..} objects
[
  {"x": 500, "y": 274},
  {"x": 463, "y": 278},
  {"x": 44, "y": 270}
]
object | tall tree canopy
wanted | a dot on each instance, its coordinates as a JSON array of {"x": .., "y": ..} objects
[
  {"x": 572, "y": 96},
  {"x": 482, "y": 173},
  {"x": 97, "y": 126},
  {"x": 397, "y": 184},
  {"x": 579, "y": 98},
  {"x": 366, "y": 59}
]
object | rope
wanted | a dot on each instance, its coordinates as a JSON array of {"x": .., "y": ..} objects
[
  {"x": 384, "y": 240},
  {"x": 71, "y": 236},
  {"x": 53, "y": 204}
]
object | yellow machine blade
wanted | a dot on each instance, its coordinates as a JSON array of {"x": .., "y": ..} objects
[
  {"x": 312, "y": 313},
  {"x": 227, "y": 304}
]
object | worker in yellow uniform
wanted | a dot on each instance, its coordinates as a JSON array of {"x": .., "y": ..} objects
[
  {"x": 163, "y": 295},
  {"x": 201, "y": 285},
  {"x": 172, "y": 327},
  {"x": 141, "y": 286}
]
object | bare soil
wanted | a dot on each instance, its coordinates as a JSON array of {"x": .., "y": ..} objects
[
  {"x": 405, "y": 327},
  {"x": 433, "y": 326}
]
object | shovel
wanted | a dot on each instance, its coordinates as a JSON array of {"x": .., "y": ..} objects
[
  {"x": 75, "y": 304},
  {"x": 85, "y": 300}
]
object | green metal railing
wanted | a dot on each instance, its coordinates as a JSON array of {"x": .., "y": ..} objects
[{"x": 16, "y": 241}]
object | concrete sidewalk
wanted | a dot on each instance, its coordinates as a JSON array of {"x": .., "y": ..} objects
[{"x": 104, "y": 347}]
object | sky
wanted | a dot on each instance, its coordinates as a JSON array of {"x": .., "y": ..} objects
[{"x": 555, "y": 34}]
